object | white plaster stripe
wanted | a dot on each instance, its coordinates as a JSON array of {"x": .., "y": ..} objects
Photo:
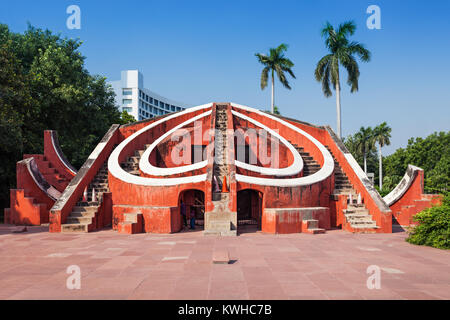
[
  {"x": 170, "y": 243},
  {"x": 368, "y": 249},
  {"x": 147, "y": 167},
  {"x": 403, "y": 185},
  {"x": 116, "y": 170},
  {"x": 59, "y": 156},
  {"x": 59, "y": 255},
  {"x": 325, "y": 171},
  {"x": 392, "y": 270},
  {"x": 97, "y": 150},
  {"x": 174, "y": 258},
  {"x": 294, "y": 168}
]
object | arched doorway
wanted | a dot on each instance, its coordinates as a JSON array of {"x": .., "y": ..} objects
[
  {"x": 249, "y": 210},
  {"x": 194, "y": 201}
]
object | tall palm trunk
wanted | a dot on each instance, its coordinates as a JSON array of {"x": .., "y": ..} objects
[
  {"x": 338, "y": 106},
  {"x": 380, "y": 167},
  {"x": 365, "y": 163},
  {"x": 273, "y": 94}
]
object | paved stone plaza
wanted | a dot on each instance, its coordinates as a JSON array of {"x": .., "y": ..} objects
[{"x": 179, "y": 266}]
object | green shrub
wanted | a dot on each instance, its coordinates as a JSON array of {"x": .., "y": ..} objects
[
  {"x": 383, "y": 192},
  {"x": 434, "y": 226}
]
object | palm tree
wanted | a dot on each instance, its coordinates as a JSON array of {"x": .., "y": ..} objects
[
  {"x": 275, "y": 62},
  {"x": 365, "y": 143},
  {"x": 382, "y": 134},
  {"x": 342, "y": 52}
]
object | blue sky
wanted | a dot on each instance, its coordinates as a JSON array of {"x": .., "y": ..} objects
[{"x": 201, "y": 51}]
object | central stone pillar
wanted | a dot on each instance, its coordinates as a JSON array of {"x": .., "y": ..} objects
[{"x": 221, "y": 220}]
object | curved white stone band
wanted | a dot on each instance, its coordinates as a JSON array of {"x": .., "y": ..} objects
[
  {"x": 148, "y": 168},
  {"x": 57, "y": 151},
  {"x": 116, "y": 170},
  {"x": 403, "y": 185},
  {"x": 325, "y": 171},
  {"x": 294, "y": 168}
]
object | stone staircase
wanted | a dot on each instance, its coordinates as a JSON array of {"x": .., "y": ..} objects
[
  {"x": 132, "y": 223},
  {"x": 51, "y": 174},
  {"x": 312, "y": 227},
  {"x": 311, "y": 166},
  {"x": 83, "y": 216},
  {"x": 357, "y": 217},
  {"x": 132, "y": 164}
]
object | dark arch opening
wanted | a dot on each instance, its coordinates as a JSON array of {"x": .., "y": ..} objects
[
  {"x": 249, "y": 210},
  {"x": 194, "y": 201}
]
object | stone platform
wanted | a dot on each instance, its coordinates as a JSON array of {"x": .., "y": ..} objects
[{"x": 180, "y": 266}]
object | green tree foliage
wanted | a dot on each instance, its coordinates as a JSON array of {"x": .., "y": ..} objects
[
  {"x": 434, "y": 226},
  {"x": 365, "y": 143},
  {"x": 431, "y": 154},
  {"x": 275, "y": 62},
  {"x": 44, "y": 85},
  {"x": 275, "y": 111},
  {"x": 342, "y": 52},
  {"x": 382, "y": 136},
  {"x": 126, "y": 117},
  {"x": 354, "y": 146}
]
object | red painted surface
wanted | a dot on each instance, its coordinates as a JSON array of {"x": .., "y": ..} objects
[
  {"x": 413, "y": 201},
  {"x": 337, "y": 208},
  {"x": 159, "y": 205},
  {"x": 51, "y": 154},
  {"x": 29, "y": 203},
  {"x": 25, "y": 210},
  {"x": 104, "y": 214},
  {"x": 156, "y": 219},
  {"x": 383, "y": 219},
  {"x": 59, "y": 216},
  {"x": 290, "y": 221}
]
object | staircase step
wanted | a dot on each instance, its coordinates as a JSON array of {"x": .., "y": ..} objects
[
  {"x": 74, "y": 227},
  {"x": 82, "y": 214},
  {"x": 85, "y": 209},
  {"x": 79, "y": 220},
  {"x": 315, "y": 231}
]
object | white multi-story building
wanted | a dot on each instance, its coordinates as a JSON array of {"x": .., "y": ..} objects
[{"x": 141, "y": 103}]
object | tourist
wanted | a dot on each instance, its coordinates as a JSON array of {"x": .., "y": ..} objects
[
  {"x": 192, "y": 216},
  {"x": 183, "y": 212}
]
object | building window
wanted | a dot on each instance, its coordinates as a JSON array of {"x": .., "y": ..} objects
[
  {"x": 127, "y": 92},
  {"x": 151, "y": 100},
  {"x": 127, "y": 109},
  {"x": 161, "y": 104},
  {"x": 127, "y": 101},
  {"x": 172, "y": 108},
  {"x": 156, "y": 102}
]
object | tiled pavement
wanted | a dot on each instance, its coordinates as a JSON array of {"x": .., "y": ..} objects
[{"x": 179, "y": 266}]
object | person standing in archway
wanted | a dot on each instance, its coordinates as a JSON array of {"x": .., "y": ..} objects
[
  {"x": 192, "y": 218},
  {"x": 183, "y": 212}
]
